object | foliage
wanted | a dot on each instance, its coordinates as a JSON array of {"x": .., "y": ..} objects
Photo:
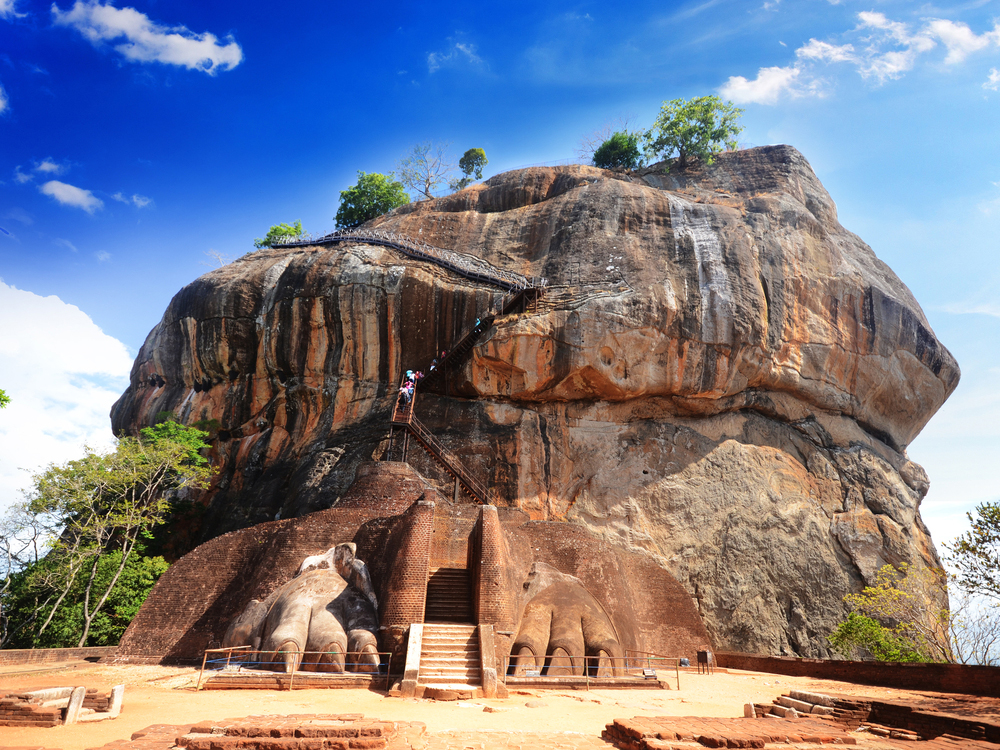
[
  {"x": 279, "y": 233},
  {"x": 590, "y": 143},
  {"x": 900, "y": 604},
  {"x": 425, "y": 168},
  {"x": 693, "y": 128},
  {"x": 860, "y": 635},
  {"x": 976, "y": 553},
  {"x": 62, "y": 541},
  {"x": 4, "y": 399},
  {"x": 373, "y": 195},
  {"x": 26, "y": 602},
  {"x": 620, "y": 151},
  {"x": 471, "y": 164}
]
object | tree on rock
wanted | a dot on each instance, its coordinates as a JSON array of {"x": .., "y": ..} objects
[
  {"x": 693, "y": 128},
  {"x": 425, "y": 168},
  {"x": 373, "y": 195},
  {"x": 471, "y": 164},
  {"x": 278, "y": 234},
  {"x": 620, "y": 151}
]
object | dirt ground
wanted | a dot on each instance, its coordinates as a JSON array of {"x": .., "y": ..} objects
[{"x": 167, "y": 695}]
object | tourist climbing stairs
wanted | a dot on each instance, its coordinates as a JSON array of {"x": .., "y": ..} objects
[
  {"x": 449, "y": 656},
  {"x": 457, "y": 353},
  {"x": 449, "y": 596},
  {"x": 521, "y": 292}
]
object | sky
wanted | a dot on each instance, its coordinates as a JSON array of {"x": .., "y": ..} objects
[{"x": 140, "y": 143}]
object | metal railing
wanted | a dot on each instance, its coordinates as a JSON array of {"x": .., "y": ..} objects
[
  {"x": 465, "y": 265},
  {"x": 246, "y": 658},
  {"x": 588, "y": 668}
]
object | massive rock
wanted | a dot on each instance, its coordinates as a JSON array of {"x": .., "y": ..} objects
[{"x": 720, "y": 375}]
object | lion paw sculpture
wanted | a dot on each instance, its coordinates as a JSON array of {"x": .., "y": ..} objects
[
  {"x": 563, "y": 628},
  {"x": 328, "y": 609}
]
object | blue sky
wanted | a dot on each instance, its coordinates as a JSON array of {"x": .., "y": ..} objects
[{"x": 136, "y": 140}]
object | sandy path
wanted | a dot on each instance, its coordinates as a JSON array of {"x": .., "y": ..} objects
[{"x": 165, "y": 695}]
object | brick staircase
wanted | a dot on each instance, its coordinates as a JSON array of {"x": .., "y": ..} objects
[
  {"x": 449, "y": 598},
  {"x": 449, "y": 657}
]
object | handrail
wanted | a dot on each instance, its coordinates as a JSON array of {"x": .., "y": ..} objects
[
  {"x": 248, "y": 656},
  {"x": 466, "y": 265},
  {"x": 402, "y": 416},
  {"x": 454, "y": 464},
  {"x": 632, "y": 664}
]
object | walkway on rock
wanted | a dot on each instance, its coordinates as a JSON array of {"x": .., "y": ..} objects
[{"x": 465, "y": 265}]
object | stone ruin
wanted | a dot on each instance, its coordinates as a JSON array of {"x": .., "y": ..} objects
[
  {"x": 543, "y": 593},
  {"x": 52, "y": 707}
]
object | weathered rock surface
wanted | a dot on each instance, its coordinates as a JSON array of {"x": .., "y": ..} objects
[{"x": 719, "y": 374}]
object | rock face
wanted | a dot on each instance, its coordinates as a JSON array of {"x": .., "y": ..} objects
[{"x": 719, "y": 374}]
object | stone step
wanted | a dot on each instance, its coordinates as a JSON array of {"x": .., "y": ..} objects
[
  {"x": 439, "y": 677},
  {"x": 469, "y": 663}
]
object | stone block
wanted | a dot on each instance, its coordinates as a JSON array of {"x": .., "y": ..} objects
[
  {"x": 818, "y": 699},
  {"x": 75, "y": 704},
  {"x": 800, "y": 706}
]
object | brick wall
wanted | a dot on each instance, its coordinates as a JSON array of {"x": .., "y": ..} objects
[
  {"x": 944, "y": 678},
  {"x": 496, "y": 583},
  {"x": 406, "y": 590},
  {"x": 13, "y": 656},
  {"x": 453, "y": 528},
  {"x": 192, "y": 604}
]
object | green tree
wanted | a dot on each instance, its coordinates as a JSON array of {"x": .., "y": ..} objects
[
  {"x": 620, "y": 151},
  {"x": 76, "y": 516},
  {"x": 4, "y": 399},
  {"x": 25, "y": 603},
  {"x": 693, "y": 128},
  {"x": 471, "y": 164},
  {"x": 373, "y": 195},
  {"x": 976, "y": 553},
  {"x": 860, "y": 635},
  {"x": 279, "y": 233},
  {"x": 425, "y": 168},
  {"x": 896, "y": 620}
]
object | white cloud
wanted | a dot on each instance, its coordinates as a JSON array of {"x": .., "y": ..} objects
[
  {"x": 891, "y": 64},
  {"x": 974, "y": 308},
  {"x": 993, "y": 81},
  {"x": 21, "y": 177},
  {"x": 70, "y": 195},
  {"x": 817, "y": 50},
  {"x": 103, "y": 256},
  {"x": 883, "y": 50},
  {"x": 459, "y": 52},
  {"x": 47, "y": 166},
  {"x": 769, "y": 85},
  {"x": 7, "y": 9},
  {"x": 4, "y": 100},
  {"x": 140, "y": 201},
  {"x": 960, "y": 39},
  {"x": 66, "y": 243},
  {"x": 143, "y": 40},
  {"x": 62, "y": 374}
]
